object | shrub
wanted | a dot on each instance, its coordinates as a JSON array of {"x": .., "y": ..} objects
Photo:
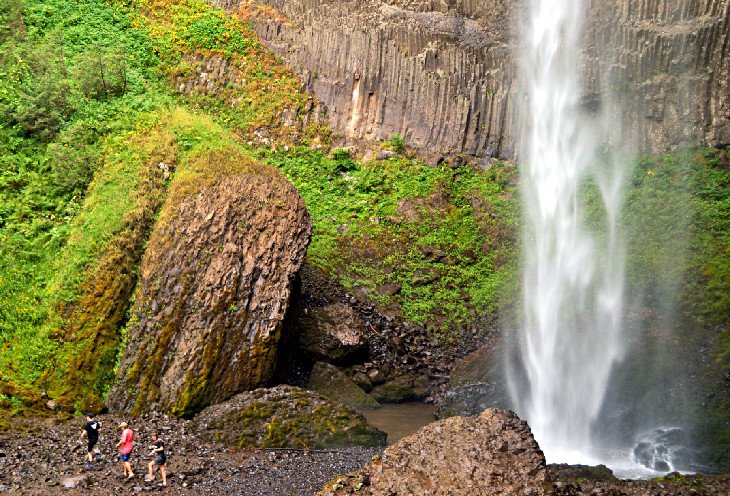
[{"x": 101, "y": 73}]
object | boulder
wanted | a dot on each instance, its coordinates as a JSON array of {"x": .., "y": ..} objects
[
  {"x": 597, "y": 473},
  {"x": 482, "y": 365},
  {"x": 489, "y": 454},
  {"x": 333, "y": 333},
  {"x": 74, "y": 481},
  {"x": 476, "y": 382},
  {"x": 285, "y": 416},
  {"x": 411, "y": 386},
  {"x": 472, "y": 399},
  {"x": 215, "y": 284},
  {"x": 330, "y": 381}
]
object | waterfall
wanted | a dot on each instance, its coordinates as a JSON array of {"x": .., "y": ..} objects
[{"x": 573, "y": 283}]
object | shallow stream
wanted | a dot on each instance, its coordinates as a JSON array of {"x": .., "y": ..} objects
[{"x": 400, "y": 420}]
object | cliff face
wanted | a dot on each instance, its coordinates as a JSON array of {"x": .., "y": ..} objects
[{"x": 440, "y": 72}]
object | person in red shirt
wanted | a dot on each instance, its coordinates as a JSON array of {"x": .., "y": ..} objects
[{"x": 126, "y": 445}]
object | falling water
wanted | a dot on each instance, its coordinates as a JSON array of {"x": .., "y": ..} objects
[{"x": 573, "y": 278}]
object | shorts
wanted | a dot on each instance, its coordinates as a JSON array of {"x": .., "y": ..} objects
[
  {"x": 160, "y": 460},
  {"x": 92, "y": 443},
  {"x": 125, "y": 457}
]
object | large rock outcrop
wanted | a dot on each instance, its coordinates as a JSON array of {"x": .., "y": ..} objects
[
  {"x": 215, "y": 285},
  {"x": 492, "y": 453},
  {"x": 334, "y": 333},
  {"x": 441, "y": 73},
  {"x": 285, "y": 416}
]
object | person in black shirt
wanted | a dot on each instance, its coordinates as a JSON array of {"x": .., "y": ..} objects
[
  {"x": 158, "y": 450},
  {"x": 91, "y": 431}
]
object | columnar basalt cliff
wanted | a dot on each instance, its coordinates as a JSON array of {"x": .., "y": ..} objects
[
  {"x": 216, "y": 281},
  {"x": 440, "y": 72}
]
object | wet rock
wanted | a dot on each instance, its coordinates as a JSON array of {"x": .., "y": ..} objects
[
  {"x": 407, "y": 387},
  {"x": 493, "y": 453},
  {"x": 482, "y": 365},
  {"x": 362, "y": 381},
  {"x": 285, "y": 416},
  {"x": 471, "y": 399},
  {"x": 330, "y": 381},
  {"x": 215, "y": 284},
  {"x": 375, "y": 376},
  {"x": 334, "y": 333},
  {"x": 586, "y": 472},
  {"x": 664, "y": 449}
]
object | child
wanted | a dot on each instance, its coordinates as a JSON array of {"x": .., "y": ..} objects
[
  {"x": 158, "y": 448},
  {"x": 91, "y": 431},
  {"x": 126, "y": 445}
]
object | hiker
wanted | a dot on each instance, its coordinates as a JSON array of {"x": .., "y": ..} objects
[
  {"x": 126, "y": 446},
  {"x": 91, "y": 432},
  {"x": 158, "y": 449}
]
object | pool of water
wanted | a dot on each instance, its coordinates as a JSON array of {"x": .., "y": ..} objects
[{"x": 400, "y": 419}]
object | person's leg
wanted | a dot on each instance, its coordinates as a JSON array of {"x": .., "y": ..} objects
[
  {"x": 164, "y": 475},
  {"x": 151, "y": 475}
]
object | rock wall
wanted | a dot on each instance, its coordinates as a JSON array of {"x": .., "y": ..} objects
[
  {"x": 215, "y": 285},
  {"x": 440, "y": 72}
]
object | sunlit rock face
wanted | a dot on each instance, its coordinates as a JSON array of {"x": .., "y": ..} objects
[
  {"x": 441, "y": 74},
  {"x": 488, "y": 454},
  {"x": 215, "y": 285}
]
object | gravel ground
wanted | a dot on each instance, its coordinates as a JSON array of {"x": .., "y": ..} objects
[{"x": 38, "y": 458}]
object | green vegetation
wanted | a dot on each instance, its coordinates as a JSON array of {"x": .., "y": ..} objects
[
  {"x": 100, "y": 108},
  {"x": 434, "y": 245},
  {"x": 678, "y": 231},
  {"x": 91, "y": 132},
  {"x": 87, "y": 125}
]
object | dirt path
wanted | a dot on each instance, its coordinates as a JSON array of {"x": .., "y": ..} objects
[{"x": 40, "y": 460}]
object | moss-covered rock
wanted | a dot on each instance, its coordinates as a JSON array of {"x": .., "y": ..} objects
[
  {"x": 216, "y": 281},
  {"x": 285, "y": 416},
  {"x": 330, "y": 381},
  {"x": 406, "y": 387}
]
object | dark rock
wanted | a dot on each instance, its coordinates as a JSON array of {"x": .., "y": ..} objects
[
  {"x": 460, "y": 455},
  {"x": 285, "y": 416},
  {"x": 362, "y": 381},
  {"x": 334, "y": 333},
  {"x": 330, "y": 381},
  {"x": 376, "y": 377},
  {"x": 482, "y": 365},
  {"x": 664, "y": 449},
  {"x": 470, "y": 399},
  {"x": 389, "y": 289},
  {"x": 404, "y": 388},
  {"x": 218, "y": 272},
  {"x": 586, "y": 472}
]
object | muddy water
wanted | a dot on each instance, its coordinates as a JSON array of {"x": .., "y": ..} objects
[{"x": 401, "y": 419}]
